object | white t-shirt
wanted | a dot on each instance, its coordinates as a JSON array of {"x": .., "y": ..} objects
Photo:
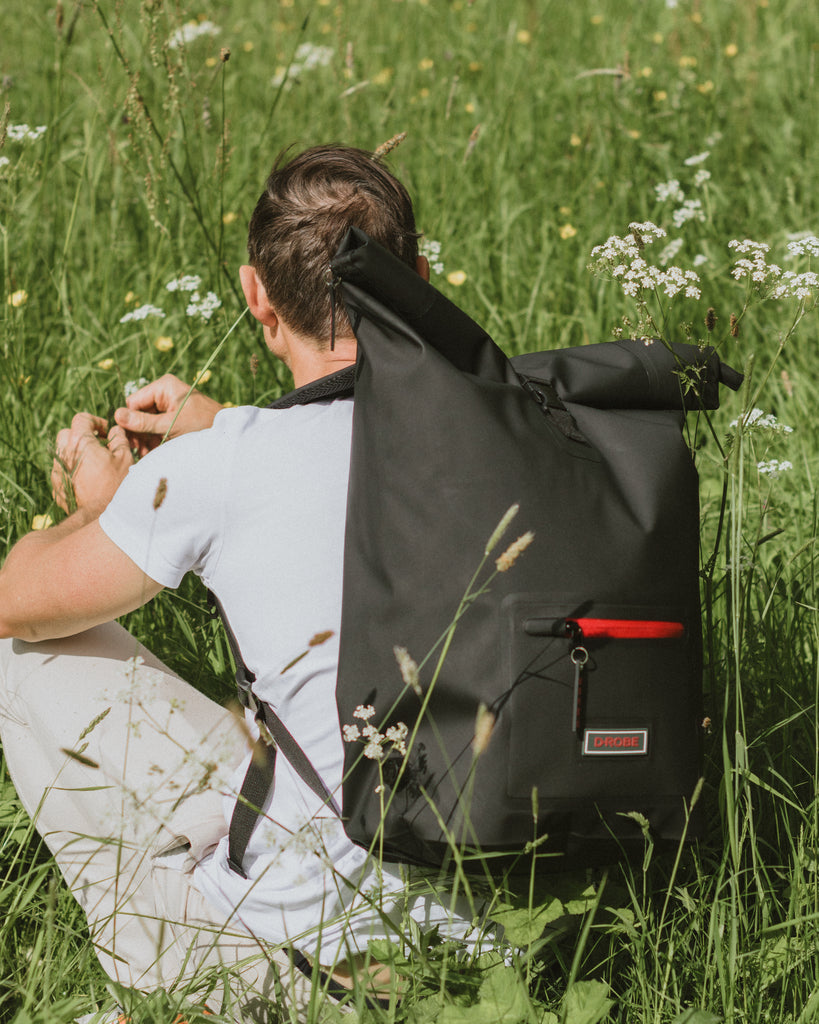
[{"x": 256, "y": 507}]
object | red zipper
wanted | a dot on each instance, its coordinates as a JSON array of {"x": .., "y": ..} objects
[{"x": 625, "y": 629}]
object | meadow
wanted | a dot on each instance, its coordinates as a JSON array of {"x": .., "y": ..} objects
[{"x": 134, "y": 140}]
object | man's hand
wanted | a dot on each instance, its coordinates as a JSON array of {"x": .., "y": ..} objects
[
  {"x": 166, "y": 407},
  {"x": 89, "y": 465}
]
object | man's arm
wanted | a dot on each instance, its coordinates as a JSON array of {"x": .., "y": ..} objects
[{"x": 64, "y": 580}]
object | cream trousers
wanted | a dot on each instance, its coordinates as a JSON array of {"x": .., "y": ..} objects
[{"x": 121, "y": 765}]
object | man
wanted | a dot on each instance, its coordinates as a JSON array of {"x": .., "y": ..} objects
[{"x": 123, "y": 766}]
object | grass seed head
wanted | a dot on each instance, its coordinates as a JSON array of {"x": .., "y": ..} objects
[{"x": 512, "y": 553}]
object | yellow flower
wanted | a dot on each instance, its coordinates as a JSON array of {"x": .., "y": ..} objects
[
  {"x": 203, "y": 377},
  {"x": 731, "y": 50},
  {"x": 657, "y": 38},
  {"x": 475, "y": 65},
  {"x": 211, "y": 62},
  {"x": 248, "y": 45},
  {"x": 229, "y": 217},
  {"x": 564, "y": 211},
  {"x": 646, "y": 72},
  {"x": 696, "y": 17},
  {"x": 687, "y": 61},
  {"x": 705, "y": 87},
  {"x": 633, "y": 133},
  {"x": 596, "y": 19},
  {"x": 469, "y": 108},
  {"x": 567, "y": 231},
  {"x": 130, "y": 297},
  {"x": 660, "y": 95},
  {"x": 325, "y": 28},
  {"x": 42, "y": 522},
  {"x": 575, "y": 140},
  {"x": 383, "y": 76},
  {"x": 426, "y": 64},
  {"x": 423, "y": 93},
  {"x": 456, "y": 277},
  {"x": 523, "y": 36},
  {"x": 106, "y": 364},
  {"x": 324, "y": 3},
  {"x": 18, "y": 298},
  {"x": 163, "y": 343}
]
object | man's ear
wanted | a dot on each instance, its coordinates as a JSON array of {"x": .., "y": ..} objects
[{"x": 256, "y": 296}]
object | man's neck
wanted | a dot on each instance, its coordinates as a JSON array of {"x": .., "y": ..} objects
[{"x": 308, "y": 364}]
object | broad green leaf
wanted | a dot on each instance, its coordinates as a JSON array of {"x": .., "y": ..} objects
[
  {"x": 587, "y": 1002},
  {"x": 523, "y": 925},
  {"x": 503, "y": 999},
  {"x": 694, "y": 1016}
]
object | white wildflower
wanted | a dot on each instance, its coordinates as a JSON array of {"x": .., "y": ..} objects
[
  {"x": 191, "y": 31},
  {"x": 701, "y": 177},
  {"x": 670, "y": 251},
  {"x": 4, "y": 161},
  {"x": 432, "y": 250},
  {"x": 203, "y": 307},
  {"x": 691, "y": 209},
  {"x": 796, "y": 286},
  {"x": 698, "y": 158},
  {"x": 669, "y": 190},
  {"x": 141, "y": 313},
  {"x": 364, "y": 711},
  {"x": 186, "y": 283},
  {"x": 758, "y": 419},
  {"x": 699, "y": 259},
  {"x": 397, "y": 735},
  {"x": 803, "y": 245},
  {"x": 306, "y": 57},
  {"x": 350, "y": 733},
  {"x": 773, "y": 467},
  {"x": 22, "y": 132},
  {"x": 130, "y": 386},
  {"x": 373, "y": 751},
  {"x": 370, "y": 732}
]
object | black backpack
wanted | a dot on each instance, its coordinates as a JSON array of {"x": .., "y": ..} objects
[{"x": 557, "y": 710}]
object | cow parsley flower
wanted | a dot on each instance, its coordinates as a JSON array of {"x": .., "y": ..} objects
[
  {"x": 186, "y": 283},
  {"x": 804, "y": 245},
  {"x": 666, "y": 190},
  {"x": 204, "y": 307},
  {"x": 691, "y": 209},
  {"x": 670, "y": 251},
  {"x": 698, "y": 158},
  {"x": 191, "y": 31},
  {"x": 22, "y": 132},
  {"x": 306, "y": 57},
  {"x": 758, "y": 419},
  {"x": 773, "y": 467},
  {"x": 432, "y": 250},
  {"x": 141, "y": 313}
]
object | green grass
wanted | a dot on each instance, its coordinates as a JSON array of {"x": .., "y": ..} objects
[{"x": 150, "y": 165}]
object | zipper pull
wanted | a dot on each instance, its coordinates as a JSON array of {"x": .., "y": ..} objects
[{"x": 579, "y": 658}]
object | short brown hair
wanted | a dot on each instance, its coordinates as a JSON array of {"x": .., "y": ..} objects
[{"x": 308, "y": 204}]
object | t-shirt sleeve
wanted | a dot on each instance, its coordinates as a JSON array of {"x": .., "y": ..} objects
[{"x": 165, "y": 515}]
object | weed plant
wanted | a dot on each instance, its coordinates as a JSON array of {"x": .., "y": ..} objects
[{"x": 535, "y": 131}]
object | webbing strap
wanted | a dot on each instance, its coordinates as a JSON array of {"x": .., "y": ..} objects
[{"x": 255, "y": 787}]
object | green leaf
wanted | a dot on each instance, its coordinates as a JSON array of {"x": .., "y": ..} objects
[
  {"x": 503, "y": 999},
  {"x": 694, "y": 1016},
  {"x": 523, "y": 925},
  {"x": 587, "y": 1002}
]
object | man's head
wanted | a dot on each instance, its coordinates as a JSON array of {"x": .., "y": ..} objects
[{"x": 307, "y": 206}]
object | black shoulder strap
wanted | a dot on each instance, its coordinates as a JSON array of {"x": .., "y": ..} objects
[
  {"x": 340, "y": 384},
  {"x": 273, "y": 733}
]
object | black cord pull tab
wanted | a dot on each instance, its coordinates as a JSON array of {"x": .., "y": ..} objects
[{"x": 331, "y": 282}]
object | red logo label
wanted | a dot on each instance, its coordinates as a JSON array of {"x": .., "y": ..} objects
[{"x": 615, "y": 741}]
